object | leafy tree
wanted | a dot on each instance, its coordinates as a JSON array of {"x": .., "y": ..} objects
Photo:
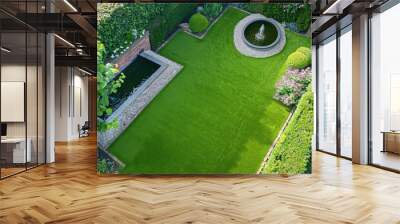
[{"x": 106, "y": 85}]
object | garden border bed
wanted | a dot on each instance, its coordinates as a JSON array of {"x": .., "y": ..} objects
[{"x": 117, "y": 164}]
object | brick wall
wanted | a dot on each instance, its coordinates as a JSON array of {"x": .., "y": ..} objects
[{"x": 134, "y": 50}]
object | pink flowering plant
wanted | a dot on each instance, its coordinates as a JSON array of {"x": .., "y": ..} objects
[{"x": 292, "y": 85}]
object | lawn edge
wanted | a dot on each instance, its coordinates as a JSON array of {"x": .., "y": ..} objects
[{"x": 272, "y": 147}]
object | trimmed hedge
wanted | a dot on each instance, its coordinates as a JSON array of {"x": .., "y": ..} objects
[
  {"x": 119, "y": 25},
  {"x": 212, "y": 10},
  {"x": 124, "y": 24},
  {"x": 303, "y": 20},
  {"x": 292, "y": 154},
  {"x": 198, "y": 23},
  {"x": 280, "y": 12},
  {"x": 277, "y": 11},
  {"x": 296, "y": 13},
  {"x": 165, "y": 24},
  {"x": 253, "y": 7}
]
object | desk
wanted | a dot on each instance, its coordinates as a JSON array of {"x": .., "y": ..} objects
[
  {"x": 391, "y": 141},
  {"x": 13, "y": 150}
]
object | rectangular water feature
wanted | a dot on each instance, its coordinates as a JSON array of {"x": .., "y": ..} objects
[{"x": 136, "y": 73}]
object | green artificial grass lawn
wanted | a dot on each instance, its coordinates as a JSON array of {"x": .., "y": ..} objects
[{"x": 216, "y": 116}]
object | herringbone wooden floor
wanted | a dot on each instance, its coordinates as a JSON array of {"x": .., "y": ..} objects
[{"x": 70, "y": 191}]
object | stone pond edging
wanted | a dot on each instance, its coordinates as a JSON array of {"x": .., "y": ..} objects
[
  {"x": 135, "y": 104},
  {"x": 245, "y": 49}
]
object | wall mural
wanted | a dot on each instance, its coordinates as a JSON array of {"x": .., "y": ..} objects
[{"x": 204, "y": 88}]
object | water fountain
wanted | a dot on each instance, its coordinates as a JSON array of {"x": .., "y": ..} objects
[{"x": 259, "y": 36}]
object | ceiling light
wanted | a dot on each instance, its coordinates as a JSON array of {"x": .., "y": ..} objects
[
  {"x": 79, "y": 51},
  {"x": 338, "y": 6},
  {"x": 64, "y": 40},
  {"x": 84, "y": 71},
  {"x": 333, "y": 6},
  {"x": 70, "y": 5},
  {"x": 5, "y": 50}
]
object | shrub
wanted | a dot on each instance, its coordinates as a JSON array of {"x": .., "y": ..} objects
[
  {"x": 275, "y": 11},
  {"x": 105, "y": 165},
  {"x": 106, "y": 85},
  {"x": 162, "y": 26},
  {"x": 297, "y": 16},
  {"x": 280, "y": 12},
  {"x": 307, "y": 52},
  {"x": 253, "y": 7},
  {"x": 297, "y": 60},
  {"x": 198, "y": 23},
  {"x": 301, "y": 58},
  {"x": 303, "y": 20},
  {"x": 292, "y": 153},
  {"x": 292, "y": 85},
  {"x": 106, "y": 9},
  {"x": 119, "y": 25},
  {"x": 212, "y": 10}
]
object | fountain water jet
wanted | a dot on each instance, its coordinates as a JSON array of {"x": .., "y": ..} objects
[{"x": 260, "y": 34}]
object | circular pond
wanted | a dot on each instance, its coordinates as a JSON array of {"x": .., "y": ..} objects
[
  {"x": 258, "y": 36},
  {"x": 261, "y": 33}
]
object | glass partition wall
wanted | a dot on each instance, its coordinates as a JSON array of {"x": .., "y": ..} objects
[
  {"x": 334, "y": 90},
  {"x": 334, "y": 93},
  {"x": 327, "y": 95},
  {"x": 22, "y": 77},
  {"x": 345, "y": 61},
  {"x": 385, "y": 89}
]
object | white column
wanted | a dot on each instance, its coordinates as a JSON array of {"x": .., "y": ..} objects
[
  {"x": 360, "y": 90},
  {"x": 50, "y": 110}
]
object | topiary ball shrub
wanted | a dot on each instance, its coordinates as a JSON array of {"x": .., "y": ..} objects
[
  {"x": 198, "y": 23},
  {"x": 307, "y": 52},
  {"x": 298, "y": 60}
]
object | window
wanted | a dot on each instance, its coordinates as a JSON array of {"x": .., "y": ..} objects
[
  {"x": 385, "y": 89},
  {"x": 346, "y": 92},
  {"x": 22, "y": 77},
  {"x": 327, "y": 95}
]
